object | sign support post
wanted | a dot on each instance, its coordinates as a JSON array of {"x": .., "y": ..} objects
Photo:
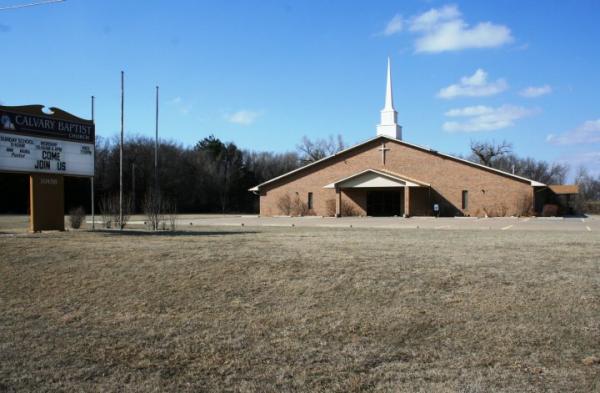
[
  {"x": 46, "y": 202},
  {"x": 121, "y": 151},
  {"x": 94, "y": 175}
]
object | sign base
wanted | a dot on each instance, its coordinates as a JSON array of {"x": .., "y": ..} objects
[{"x": 46, "y": 203}]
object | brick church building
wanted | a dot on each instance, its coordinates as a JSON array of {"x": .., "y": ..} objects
[{"x": 386, "y": 176}]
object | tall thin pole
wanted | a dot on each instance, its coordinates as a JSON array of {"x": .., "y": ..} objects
[
  {"x": 92, "y": 179},
  {"x": 121, "y": 150},
  {"x": 133, "y": 188},
  {"x": 156, "y": 184}
]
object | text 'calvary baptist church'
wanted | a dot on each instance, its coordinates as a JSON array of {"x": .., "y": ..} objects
[{"x": 33, "y": 141}]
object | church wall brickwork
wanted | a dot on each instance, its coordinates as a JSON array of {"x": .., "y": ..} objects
[{"x": 489, "y": 192}]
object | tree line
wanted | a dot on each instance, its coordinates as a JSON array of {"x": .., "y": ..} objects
[{"x": 214, "y": 176}]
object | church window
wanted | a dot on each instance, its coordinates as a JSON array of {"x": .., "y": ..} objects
[
  {"x": 465, "y": 199},
  {"x": 310, "y": 200}
]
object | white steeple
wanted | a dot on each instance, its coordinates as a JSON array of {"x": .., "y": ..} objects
[{"x": 389, "y": 117}]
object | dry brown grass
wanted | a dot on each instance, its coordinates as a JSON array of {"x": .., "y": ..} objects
[{"x": 286, "y": 310}]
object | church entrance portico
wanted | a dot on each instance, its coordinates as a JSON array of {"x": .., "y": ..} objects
[{"x": 375, "y": 193}]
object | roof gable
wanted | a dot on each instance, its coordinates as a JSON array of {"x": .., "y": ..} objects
[
  {"x": 370, "y": 178},
  {"x": 421, "y": 148}
]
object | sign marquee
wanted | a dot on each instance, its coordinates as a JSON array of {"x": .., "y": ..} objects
[{"x": 35, "y": 142}]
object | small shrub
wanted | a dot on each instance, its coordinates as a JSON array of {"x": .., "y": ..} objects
[
  {"x": 171, "y": 213},
  {"x": 330, "y": 207},
  {"x": 106, "y": 210},
  {"x": 550, "y": 210},
  {"x": 153, "y": 209},
  {"x": 500, "y": 210},
  {"x": 109, "y": 210},
  {"x": 299, "y": 207},
  {"x": 76, "y": 217},
  {"x": 503, "y": 210},
  {"x": 160, "y": 211},
  {"x": 348, "y": 210},
  {"x": 284, "y": 204},
  {"x": 592, "y": 207},
  {"x": 525, "y": 206}
]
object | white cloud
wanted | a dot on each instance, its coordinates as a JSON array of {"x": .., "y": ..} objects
[
  {"x": 535, "y": 91},
  {"x": 243, "y": 117},
  {"x": 181, "y": 105},
  {"x": 429, "y": 20},
  {"x": 588, "y": 132},
  {"x": 394, "y": 26},
  {"x": 485, "y": 118},
  {"x": 443, "y": 29},
  {"x": 475, "y": 85}
]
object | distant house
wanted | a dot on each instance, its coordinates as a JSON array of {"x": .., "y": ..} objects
[{"x": 386, "y": 176}]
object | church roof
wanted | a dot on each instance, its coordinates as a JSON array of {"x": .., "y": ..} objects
[
  {"x": 564, "y": 189},
  {"x": 425, "y": 149}
]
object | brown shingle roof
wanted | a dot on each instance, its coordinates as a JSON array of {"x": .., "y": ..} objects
[{"x": 564, "y": 188}]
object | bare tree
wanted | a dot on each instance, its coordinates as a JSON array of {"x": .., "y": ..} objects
[
  {"x": 171, "y": 213},
  {"x": 499, "y": 156},
  {"x": 109, "y": 209},
  {"x": 267, "y": 165},
  {"x": 487, "y": 152},
  {"x": 589, "y": 188},
  {"x": 588, "y": 199},
  {"x": 539, "y": 170},
  {"x": 311, "y": 151},
  {"x": 284, "y": 204}
]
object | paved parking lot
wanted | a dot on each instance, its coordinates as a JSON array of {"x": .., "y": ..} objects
[
  {"x": 184, "y": 221},
  {"x": 585, "y": 224}
]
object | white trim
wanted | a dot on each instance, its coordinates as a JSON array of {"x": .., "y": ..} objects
[
  {"x": 397, "y": 178},
  {"x": 432, "y": 151}
]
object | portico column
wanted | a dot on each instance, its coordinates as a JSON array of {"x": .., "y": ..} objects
[
  {"x": 338, "y": 202},
  {"x": 406, "y": 201}
]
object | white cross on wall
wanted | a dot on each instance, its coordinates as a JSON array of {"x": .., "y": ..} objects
[{"x": 383, "y": 149}]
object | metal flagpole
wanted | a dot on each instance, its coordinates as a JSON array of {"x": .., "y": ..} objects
[
  {"x": 133, "y": 188},
  {"x": 156, "y": 185},
  {"x": 92, "y": 183},
  {"x": 121, "y": 151}
]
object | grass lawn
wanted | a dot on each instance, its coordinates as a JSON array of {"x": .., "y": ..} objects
[{"x": 300, "y": 309}]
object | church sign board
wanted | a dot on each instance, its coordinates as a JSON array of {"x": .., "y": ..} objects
[{"x": 32, "y": 141}]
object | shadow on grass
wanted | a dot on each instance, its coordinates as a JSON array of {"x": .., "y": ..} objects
[{"x": 138, "y": 232}]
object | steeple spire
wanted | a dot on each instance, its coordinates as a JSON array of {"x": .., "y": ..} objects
[
  {"x": 388, "y": 125},
  {"x": 389, "y": 99}
]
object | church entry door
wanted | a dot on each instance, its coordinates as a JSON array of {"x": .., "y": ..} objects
[{"x": 385, "y": 203}]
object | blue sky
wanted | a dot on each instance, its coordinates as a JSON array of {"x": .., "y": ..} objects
[{"x": 265, "y": 73}]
